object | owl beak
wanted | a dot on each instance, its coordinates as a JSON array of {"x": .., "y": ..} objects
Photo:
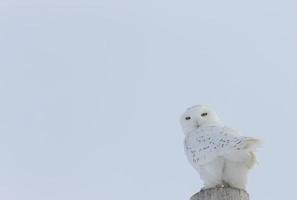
[{"x": 197, "y": 125}]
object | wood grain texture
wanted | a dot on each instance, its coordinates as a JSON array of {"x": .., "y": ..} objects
[{"x": 227, "y": 193}]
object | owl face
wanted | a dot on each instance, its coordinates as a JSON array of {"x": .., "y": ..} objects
[{"x": 197, "y": 116}]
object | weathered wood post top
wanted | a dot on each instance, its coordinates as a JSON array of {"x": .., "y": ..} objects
[{"x": 224, "y": 193}]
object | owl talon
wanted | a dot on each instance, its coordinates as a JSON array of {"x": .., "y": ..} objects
[
  {"x": 209, "y": 187},
  {"x": 225, "y": 184}
]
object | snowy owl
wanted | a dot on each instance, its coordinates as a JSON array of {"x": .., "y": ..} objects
[{"x": 220, "y": 154}]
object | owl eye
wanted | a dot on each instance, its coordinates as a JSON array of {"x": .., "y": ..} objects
[
  {"x": 187, "y": 118},
  {"x": 203, "y": 114}
]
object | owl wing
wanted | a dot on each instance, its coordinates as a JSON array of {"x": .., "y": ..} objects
[{"x": 206, "y": 143}]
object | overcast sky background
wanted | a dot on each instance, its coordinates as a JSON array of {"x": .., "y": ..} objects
[{"x": 91, "y": 93}]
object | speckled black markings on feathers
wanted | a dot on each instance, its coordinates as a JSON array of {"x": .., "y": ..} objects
[{"x": 206, "y": 143}]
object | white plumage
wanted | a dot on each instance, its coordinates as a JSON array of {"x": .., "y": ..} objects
[{"x": 220, "y": 154}]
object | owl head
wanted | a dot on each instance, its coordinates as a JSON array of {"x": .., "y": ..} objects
[{"x": 198, "y": 116}]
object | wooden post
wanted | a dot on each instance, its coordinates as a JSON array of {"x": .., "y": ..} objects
[{"x": 224, "y": 193}]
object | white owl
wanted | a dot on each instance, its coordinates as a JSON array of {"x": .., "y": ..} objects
[{"x": 220, "y": 154}]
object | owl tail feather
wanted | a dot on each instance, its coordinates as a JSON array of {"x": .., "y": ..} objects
[
  {"x": 252, "y": 161},
  {"x": 252, "y": 144}
]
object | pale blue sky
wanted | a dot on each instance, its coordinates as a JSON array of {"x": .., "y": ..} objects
[{"x": 92, "y": 91}]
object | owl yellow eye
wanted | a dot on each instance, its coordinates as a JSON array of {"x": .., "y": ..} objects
[
  {"x": 203, "y": 114},
  {"x": 187, "y": 118}
]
